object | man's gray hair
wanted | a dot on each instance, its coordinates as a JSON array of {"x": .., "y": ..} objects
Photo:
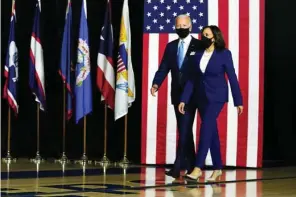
[{"x": 183, "y": 16}]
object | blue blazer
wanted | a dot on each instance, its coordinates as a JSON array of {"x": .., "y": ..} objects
[
  {"x": 169, "y": 63},
  {"x": 213, "y": 82}
]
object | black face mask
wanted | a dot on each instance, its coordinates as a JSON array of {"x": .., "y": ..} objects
[
  {"x": 182, "y": 32},
  {"x": 207, "y": 42}
]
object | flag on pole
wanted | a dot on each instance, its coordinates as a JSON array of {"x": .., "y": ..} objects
[
  {"x": 65, "y": 65},
  {"x": 125, "y": 92},
  {"x": 105, "y": 69},
  {"x": 11, "y": 66},
  {"x": 36, "y": 71},
  {"x": 83, "y": 91},
  {"x": 242, "y": 25}
]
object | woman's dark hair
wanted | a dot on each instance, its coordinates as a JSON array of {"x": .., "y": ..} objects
[{"x": 219, "y": 40}]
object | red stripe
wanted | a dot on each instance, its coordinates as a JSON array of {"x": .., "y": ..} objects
[
  {"x": 242, "y": 139},
  {"x": 145, "y": 88},
  {"x": 162, "y": 108},
  {"x": 222, "y": 120},
  {"x": 106, "y": 89},
  {"x": 198, "y": 122},
  {"x": 261, "y": 84}
]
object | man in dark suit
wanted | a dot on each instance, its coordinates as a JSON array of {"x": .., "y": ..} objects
[{"x": 177, "y": 59}]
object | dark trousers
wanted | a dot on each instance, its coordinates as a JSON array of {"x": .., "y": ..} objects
[
  {"x": 209, "y": 137},
  {"x": 185, "y": 156}
]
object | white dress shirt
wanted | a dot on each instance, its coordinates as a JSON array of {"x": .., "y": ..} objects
[
  {"x": 205, "y": 60},
  {"x": 187, "y": 41}
]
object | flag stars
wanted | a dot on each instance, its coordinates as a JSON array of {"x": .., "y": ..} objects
[
  {"x": 168, "y": 21},
  {"x": 200, "y": 1},
  {"x": 194, "y": 7},
  {"x": 188, "y": 14},
  {"x": 154, "y": 21},
  {"x": 174, "y": 14},
  {"x": 200, "y": 27},
  {"x": 161, "y": 27},
  {"x": 187, "y": 1},
  {"x": 168, "y": 7},
  {"x": 161, "y": 14},
  {"x": 149, "y": 14},
  {"x": 155, "y": 7},
  {"x": 148, "y": 27},
  {"x": 175, "y": 1},
  {"x": 161, "y": 1},
  {"x": 148, "y": 1},
  {"x": 200, "y": 14},
  {"x": 181, "y": 7},
  {"x": 194, "y": 21},
  {"x": 174, "y": 27}
]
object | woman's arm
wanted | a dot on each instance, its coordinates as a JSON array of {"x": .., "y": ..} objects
[{"x": 235, "y": 88}]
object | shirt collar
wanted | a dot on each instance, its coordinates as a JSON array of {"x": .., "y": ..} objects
[{"x": 187, "y": 40}]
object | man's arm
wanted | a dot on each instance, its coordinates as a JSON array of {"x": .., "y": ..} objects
[{"x": 162, "y": 72}]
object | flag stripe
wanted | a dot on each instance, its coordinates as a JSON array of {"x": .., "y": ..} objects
[
  {"x": 222, "y": 119},
  {"x": 161, "y": 107},
  {"x": 145, "y": 96},
  {"x": 233, "y": 43},
  {"x": 243, "y": 80},
  {"x": 152, "y": 101}
]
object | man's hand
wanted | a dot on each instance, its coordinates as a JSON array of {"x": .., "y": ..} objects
[
  {"x": 181, "y": 108},
  {"x": 154, "y": 89},
  {"x": 240, "y": 109}
]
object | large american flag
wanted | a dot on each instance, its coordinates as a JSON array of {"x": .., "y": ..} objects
[{"x": 242, "y": 24}]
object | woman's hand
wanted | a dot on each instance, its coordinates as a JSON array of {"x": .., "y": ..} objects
[
  {"x": 240, "y": 109},
  {"x": 181, "y": 107}
]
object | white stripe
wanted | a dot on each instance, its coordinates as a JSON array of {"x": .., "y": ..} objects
[
  {"x": 230, "y": 188},
  {"x": 171, "y": 125},
  {"x": 107, "y": 69},
  {"x": 251, "y": 187},
  {"x": 39, "y": 64},
  {"x": 213, "y": 10},
  {"x": 13, "y": 100},
  {"x": 152, "y": 101},
  {"x": 253, "y": 100},
  {"x": 232, "y": 119}
]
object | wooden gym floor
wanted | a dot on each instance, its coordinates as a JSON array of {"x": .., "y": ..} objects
[{"x": 23, "y": 178}]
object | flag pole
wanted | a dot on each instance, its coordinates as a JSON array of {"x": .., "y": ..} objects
[
  {"x": 124, "y": 162},
  {"x": 105, "y": 161},
  {"x": 8, "y": 158},
  {"x": 64, "y": 158},
  {"x": 38, "y": 158}
]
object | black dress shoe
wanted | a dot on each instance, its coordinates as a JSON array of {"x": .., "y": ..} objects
[{"x": 173, "y": 174}]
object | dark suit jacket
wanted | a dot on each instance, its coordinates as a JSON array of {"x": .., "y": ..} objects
[
  {"x": 213, "y": 82},
  {"x": 169, "y": 63}
]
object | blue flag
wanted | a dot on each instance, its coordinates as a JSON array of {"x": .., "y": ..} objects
[
  {"x": 65, "y": 65},
  {"x": 83, "y": 89},
  {"x": 11, "y": 66}
]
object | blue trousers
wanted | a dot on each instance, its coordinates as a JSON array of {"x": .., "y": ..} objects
[
  {"x": 185, "y": 156},
  {"x": 209, "y": 138}
]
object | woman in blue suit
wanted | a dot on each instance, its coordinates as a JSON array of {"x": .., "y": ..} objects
[{"x": 208, "y": 87}]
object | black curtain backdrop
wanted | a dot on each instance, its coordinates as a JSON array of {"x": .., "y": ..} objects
[{"x": 280, "y": 84}]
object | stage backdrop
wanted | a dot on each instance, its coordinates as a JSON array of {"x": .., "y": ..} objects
[{"x": 242, "y": 23}]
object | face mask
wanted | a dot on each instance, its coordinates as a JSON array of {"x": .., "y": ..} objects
[
  {"x": 207, "y": 42},
  {"x": 182, "y": 32}
]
